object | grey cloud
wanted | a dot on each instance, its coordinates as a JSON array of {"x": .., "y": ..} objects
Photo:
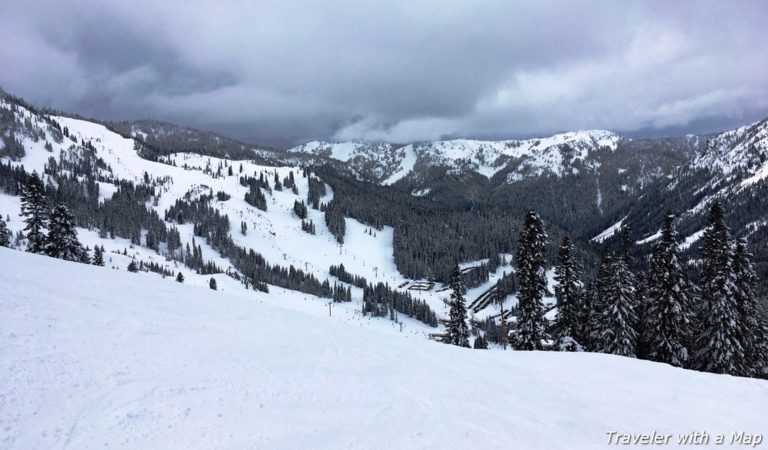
[{"x": 278, "y": 72}]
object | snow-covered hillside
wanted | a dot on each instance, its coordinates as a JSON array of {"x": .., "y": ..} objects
[
  {"x": 745, "y": 148},
  {"x": 276, "y": 234},
  {"x": 530, "y": 157},
  {"x": 92, "y": 358},
  {"x": 371, "y": 160}
]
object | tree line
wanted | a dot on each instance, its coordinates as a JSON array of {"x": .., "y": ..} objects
[{"x": 660, "y": 314}]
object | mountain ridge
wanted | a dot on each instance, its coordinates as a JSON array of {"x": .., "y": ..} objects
[{"x": 582, "y": 183}]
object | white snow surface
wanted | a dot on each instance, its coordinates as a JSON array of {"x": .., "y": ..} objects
[
  {"x": 692, "y": 239},
  {"x": 649, "y": 239},
  {"x": 92, "y": 358},
  {"x": 609, "y": 232}
]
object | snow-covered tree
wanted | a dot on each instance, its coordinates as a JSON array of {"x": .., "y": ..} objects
[
  {"x": 569, "y": 296},
  {"x": 668, "y": 312},
  {"x": 5, "y": 234},
  {"x": 458, "y": 332},
  {"x": 641, "y": 307},
  {"x": 532, "y": 284},
  {"x": 751, "y": 321},
  {"x": 133, "y": 267},
  {"x": 98, "y": 256},
  {"x": 627, "y": 243},
  {"x": 62, "y": 237},
  {"x": 719, "y": 344},
  {"x": 619, "y": 318},
  {"x": 597, "y": 299},
  {"x": 35, "y": 213},
  {"x": 586, "y": 312}
]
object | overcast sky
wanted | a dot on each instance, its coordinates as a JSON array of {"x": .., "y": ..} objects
[{"x": 284, "y": 72}]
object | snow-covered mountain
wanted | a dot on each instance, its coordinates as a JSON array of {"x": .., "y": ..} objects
[
  {"x": 94, "y": 357},
  {"x": 744, "y": 149},
  {"x": 583, "y": 183},
  {"x": 165, "y": 138},
  {"x": 730, "y": 167},
  {"x": 388, "y": 163},
  {"x": 58, "y": 147},
  {"x": 377, "y": 161},
  {"x": 335, "y": 256}
]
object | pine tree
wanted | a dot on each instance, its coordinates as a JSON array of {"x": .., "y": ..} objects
[
  {"x": 98, "y": 256},
  {"x": 180, "y": 277},
  {"x": 212, "y": 283},
  {"x": 719, "y": 345},
  {"x": 480, "y": 343},
  {"x": 33, "y": 209},
  {"x": 568, "y": 294},
  {"x": 585, "y": 317},
  {"x": 626, "y": 244},
  {"x": 598, "y": 305},
  {"x": 669, "y": 305},
  {"x": 62, "y": 237},
  {"x": 618, "y": 335},
  {"x": 132, "y": 267},
  {"x": 503, "y": 333},
  {"x": 458, "y": 332},
  {"x": 532, "y": 284},
  {"x": 641, "y": 307},
  {"x": 5, "y": 234},
  {"x": 751, "y": 321}
]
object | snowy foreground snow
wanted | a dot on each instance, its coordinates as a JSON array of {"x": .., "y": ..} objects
[{"x": 97, "y": 358}]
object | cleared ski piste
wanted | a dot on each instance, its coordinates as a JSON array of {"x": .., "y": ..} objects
[{"x": 98, "y": 358}]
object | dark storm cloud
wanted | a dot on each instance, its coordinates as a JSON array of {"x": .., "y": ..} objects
[{"x": 280, "y": 72}]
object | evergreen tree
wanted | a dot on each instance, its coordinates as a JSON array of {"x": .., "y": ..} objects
[
  {"x": 180, "y": 277},
  {"x": 33, "y": 209},
  {"x": 502, "y": 333},
  {"x": 532, "y": 284},
  {"x": 98, "y": 256},
  {"x": 719, "y": 345},
  {"x": 669, "y": 305},
  {"x": 618, "y": 335},
  {"x": 5, "y": 234},
  {"x": 585, "y": 316},
  {"x": 62, "y": 237},
  {"x": 568, "y": 294},
  {"x": 133, "y": 267},
  {"x": 751, "y": 321},
  {"x": 481, "y": 343},
  {"x": 626, "y": 244},
  {"x": 212, "y": 283},
  {"x": 598, "y": 304},
  {"x": 641, "y": 307},
  {"x": 458, "y": 332}
]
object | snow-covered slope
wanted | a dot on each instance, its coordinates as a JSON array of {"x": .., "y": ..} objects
[
  {"x": 276, "y": 234},
  {"x": 744, "y": 148},
  {"x": 530, "y": 157},
  {"x": 92, "y": 358},
  {"x": 376, "y": 161}
]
